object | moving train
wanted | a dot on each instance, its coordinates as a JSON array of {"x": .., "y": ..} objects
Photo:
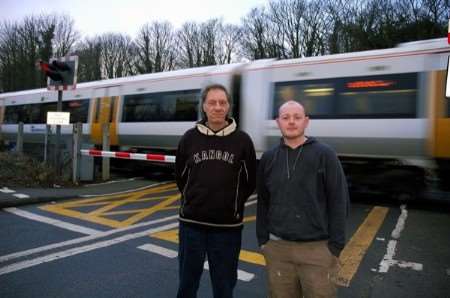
[{"x": 381, "y": 109}]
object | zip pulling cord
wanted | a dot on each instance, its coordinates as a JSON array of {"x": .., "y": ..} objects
[{"x": 295, "y": 161}]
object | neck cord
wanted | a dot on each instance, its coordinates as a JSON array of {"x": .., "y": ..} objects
[{"x": 295, "y": 162}]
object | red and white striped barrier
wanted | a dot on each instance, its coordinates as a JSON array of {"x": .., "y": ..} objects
[{"x": 128, "y": 155}]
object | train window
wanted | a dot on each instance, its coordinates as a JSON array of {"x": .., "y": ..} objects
[
  {"x": 167, "y": 106},
  {"x": 316, "y": 96},
  {"x": 384, "y": 96},
  {"x": 37, "y": 113},
  {"x": 387, "y": 96},
  {"x": 78, "y": 110},
  {"x": 47, "y": 107},
  {"x": 14, "y": 114}
]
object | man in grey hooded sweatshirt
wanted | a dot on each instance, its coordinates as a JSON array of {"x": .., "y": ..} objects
[{"x": 302, "y": 209}]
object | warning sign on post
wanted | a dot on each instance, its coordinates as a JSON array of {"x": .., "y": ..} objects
[{"x": 58, "y": 118}]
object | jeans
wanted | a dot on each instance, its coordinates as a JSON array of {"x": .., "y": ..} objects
[{"x": 221, "y": 246}]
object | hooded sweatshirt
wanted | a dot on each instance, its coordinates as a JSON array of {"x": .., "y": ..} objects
[
  {"x": 215, "y": 172},
  {"x": 302, "y": 195}
]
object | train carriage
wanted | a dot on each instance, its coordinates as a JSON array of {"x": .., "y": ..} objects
[{"x": 377, "y": 108}]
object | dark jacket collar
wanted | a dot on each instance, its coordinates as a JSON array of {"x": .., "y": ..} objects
[{"x": 308, "y": 141}]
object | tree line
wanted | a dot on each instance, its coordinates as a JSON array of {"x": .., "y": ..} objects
[{"x": 281, "y": 29}]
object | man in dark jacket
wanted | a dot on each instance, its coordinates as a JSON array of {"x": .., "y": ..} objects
[
  {"x": 215, "y": 172},
  {"x": 301, "y": 212}
]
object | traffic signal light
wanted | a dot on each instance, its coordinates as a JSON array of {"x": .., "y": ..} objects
[{"x": 61, "y": 72}]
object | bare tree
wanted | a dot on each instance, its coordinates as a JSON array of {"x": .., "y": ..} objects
[
  {"x": 9, "y": 49},
  {"x": 287, "y": 15},
  {"x": 155, "y": 48},
  {"x": 259, "y": 37},
  {"x": 209, "y": 32},
  {"x": 89, "y": 53},
  {"x": 65, "y": 35},
  {"x": 229, "y": 38},
  {"x": 189, "y": 45},
  {"x": 23, "y": 43},
  {"x": 115, "y": 55}
]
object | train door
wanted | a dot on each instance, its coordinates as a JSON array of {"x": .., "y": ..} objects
[
  {"x": 104, "y": 107},
  {"x": 440, "y": 111}
]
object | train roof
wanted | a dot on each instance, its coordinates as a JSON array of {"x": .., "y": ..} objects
[
  {"x": 199, "y": 71},
  {"x": 436, "y": 45},
  {"x": 415, "y": 47}
]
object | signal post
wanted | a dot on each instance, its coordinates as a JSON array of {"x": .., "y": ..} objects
[{"x": 61, "y": 75}]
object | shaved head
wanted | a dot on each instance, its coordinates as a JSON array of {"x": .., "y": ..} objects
[
  {"x": 292, "y": 121},
  {"x": 291, "y": 104}
]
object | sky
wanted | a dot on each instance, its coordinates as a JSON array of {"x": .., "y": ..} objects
[{"x": 127, "y": 16}]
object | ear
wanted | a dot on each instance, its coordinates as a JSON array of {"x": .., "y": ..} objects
[
  {"x": 278, "y": 122},
  {"x": 203, "y": 108},
  {"x": 306, "y": 121}
]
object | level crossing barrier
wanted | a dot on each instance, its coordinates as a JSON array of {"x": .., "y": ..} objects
[{"x": 129, "y": 155}]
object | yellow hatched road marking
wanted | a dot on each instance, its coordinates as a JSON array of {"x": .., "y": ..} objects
[
  {"x": 131, "y": 198},
  {"x": 107, "y": 204},
  {"x": 252, "y": 257},
  {"x": 162, "y": 205},
  {"x": 356, "y": 248},
  {"x": 350, "y": 257},
  {"x": 245, "y": 255}
]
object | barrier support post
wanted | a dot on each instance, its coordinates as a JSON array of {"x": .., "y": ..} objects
[
  {"x": 77, "y": 134},
  {"x": 19, "y": 141},
  {"x": 48, "y": 131},
  {"x": 105, "y": 147}
]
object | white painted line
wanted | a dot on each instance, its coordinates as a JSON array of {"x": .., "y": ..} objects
[
  {"x": 113, "y": 181},
  {"x": 388, "y": 259},
  {"x": 126, "y": 191},
  {"x": 400, "y": 223},
  {"x": 82, "y": 239},
  {"x": 21, "y": 196},
  {"x": 6, "y": 190},
  {"x": 165, "y": 252},
  {"x": 52, "y": 221},
  {"x": 242, "y": 275},
  {"x": 380, "y": 239},
  {"x": 250, "y": 201},
  {"x": 412, "y": 265},
  {"x": 82, "y": 249},
  {"x": 28, "y": 252}
]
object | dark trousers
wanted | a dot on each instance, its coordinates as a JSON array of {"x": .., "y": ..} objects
[{"x": 221, "y": 246}]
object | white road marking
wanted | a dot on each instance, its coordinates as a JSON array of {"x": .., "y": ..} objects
[
  {"x": 400, "y": 223},
  {"x": 82, "y": 249},
  {"x": 388, "y": 259},
  {"x": 51, "y": 221},
  {"x": 380, "y": 239},
  {"x": 251, "y": 201},
  {"x": 21, "y": 196},
  {"x": 170, "y": 253},
  {"x": 242, "y": 275},
  {"x": 165, "y": 252},
  {"x": 6, "y": 190},
  {"x": 113, "y": 181},
  {"x": 82, "y": 239},
  {"x": 125, "y": 191}
]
